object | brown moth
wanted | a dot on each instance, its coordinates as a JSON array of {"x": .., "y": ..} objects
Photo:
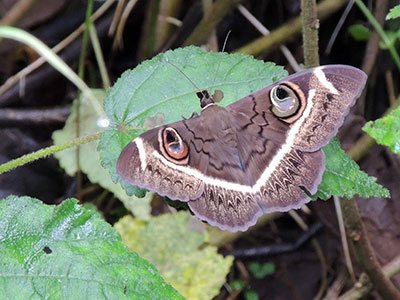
[{"x": 232, "y": 164}]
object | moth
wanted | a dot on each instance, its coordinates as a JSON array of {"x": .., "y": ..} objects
[{"x": 257, "y": 155}]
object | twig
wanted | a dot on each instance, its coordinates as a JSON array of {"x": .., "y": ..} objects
[
  {"x": 264, "y": 31},
  {"x": 345, "y": 245},
  {"x": 209, "y": 21},
  {"x": 337, "y": 285},
  {"x": 99, "y": 57},
  {"x": 390, "y": 87},
  {"x": 393, "y": 267},
  {"x": 118, "y": 41},
  {"x": 18, "y": 10},
  {"x": 289, "y": 30},
  {"x": 279, "y": 248},
  {"x": 381, "y": 32},
  {"x": 310, "y": 25},
  {"x": 372, "y": 48},
  {"x": 363, "y": 286},
  {"x": 338, "y": 27},
  {"x": 33, "y": 117},
  {"x": 361, "y": 147},
  {"x": 116, "y": 17},
  {"x": 364, "y": 251}
]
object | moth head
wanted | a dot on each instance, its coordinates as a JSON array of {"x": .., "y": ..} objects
[
  {"x": 172, "y": 146},
  {"x": 288, "y": 101}
]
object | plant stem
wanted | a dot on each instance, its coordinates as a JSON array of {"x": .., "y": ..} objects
[
  {"x": 46, "y": 151},
  {"x": 380, "y": 31},
  {"x": 352, "y": 218},
  {"x": 361, "y": 147},
  {"x": 364, "y": 251},
  {"x": 372, "y": 48},
  {"x": 364, "y": 286},
  {"x": 85, "y": 39},
  {"x": 16, "y": 13},
  {"x": 99, "y": 57},
  {"x": 29, "y": 118},
  {"x": 310, "y": 25},
  {"x": 210, "y": 20}
]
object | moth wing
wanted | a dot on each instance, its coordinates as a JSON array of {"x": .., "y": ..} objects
[
  {"x": 142, "y": 163},
  {"x": 332, "y": 91}
]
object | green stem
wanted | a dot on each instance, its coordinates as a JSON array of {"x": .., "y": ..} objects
[
  {"x": 380, "y": 31},
  {"x": 85, "y": 39},
  {"x": 46, "y": 151}
]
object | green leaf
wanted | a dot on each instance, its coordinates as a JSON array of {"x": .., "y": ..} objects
[
  {"x": 392, "y": 37},
  {"x": 394, "y": 13},
  {"x": 157, "y": 86},
  {"x": 259, "y": 271},
  {"x": 386, "y": 131},
  {"x": 174, "y": 243},
  {"x": 359, "y": 32},
  {"x": 343, "y": 176},
  {"x": 238, "y": 285},
  {"x": 251, "y": 295},
  {"x": 89, "y": 158},
  {"x": 68, "y": 252}
]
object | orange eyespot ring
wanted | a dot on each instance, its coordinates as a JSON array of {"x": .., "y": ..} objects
[{"x": 173, "y": 144}]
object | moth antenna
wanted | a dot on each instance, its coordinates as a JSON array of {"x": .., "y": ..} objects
[
  {"x": 219, "y": 63},
  {"x": 187, "y": 77}
]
